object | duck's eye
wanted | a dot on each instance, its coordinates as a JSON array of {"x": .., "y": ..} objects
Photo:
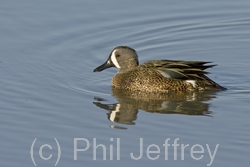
[{"x": 117, "y": 55}]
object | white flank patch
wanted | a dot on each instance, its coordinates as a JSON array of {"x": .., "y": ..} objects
[
  {"x": 191, "y": 97},
  {"x": 164, "y": 104},
  {"x": 114, "y": 112},
  {"x": 113, "y": 59},
  {"x": 192, "y": 82}
]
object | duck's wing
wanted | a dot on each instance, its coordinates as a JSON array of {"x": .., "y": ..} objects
[{"x": 178, "y": 69}]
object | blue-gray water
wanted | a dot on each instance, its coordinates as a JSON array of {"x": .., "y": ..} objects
[{"x": 48, "y": 50}]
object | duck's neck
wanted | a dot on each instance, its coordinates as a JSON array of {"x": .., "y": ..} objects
[{"x": 128, "y": 65}]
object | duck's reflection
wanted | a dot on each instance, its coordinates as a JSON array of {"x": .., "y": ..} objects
[{"x": 126, "y": 109}]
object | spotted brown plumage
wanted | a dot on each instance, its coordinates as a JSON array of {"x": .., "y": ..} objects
[{"x": 157, "y": 75}]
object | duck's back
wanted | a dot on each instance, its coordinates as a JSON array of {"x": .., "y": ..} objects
[{"x": 165, "y": 75}]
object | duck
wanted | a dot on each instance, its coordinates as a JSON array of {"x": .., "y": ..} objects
[{"x": 157, "y": 75}]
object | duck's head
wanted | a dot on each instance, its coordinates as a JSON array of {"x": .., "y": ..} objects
[{"x": 122, "y": 57}]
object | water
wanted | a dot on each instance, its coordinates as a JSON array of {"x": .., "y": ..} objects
[{"x": 49, "y": 91}]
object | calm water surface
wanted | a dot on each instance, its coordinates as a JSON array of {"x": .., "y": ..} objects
[{"x": 48, "y": 50}]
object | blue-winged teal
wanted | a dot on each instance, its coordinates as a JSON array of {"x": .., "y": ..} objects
[{"x": 157, "y": 75}]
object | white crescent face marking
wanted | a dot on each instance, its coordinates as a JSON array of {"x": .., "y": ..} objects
[
  {"x": 114, "y": 112},
  {"x": 113, "y": 59}
]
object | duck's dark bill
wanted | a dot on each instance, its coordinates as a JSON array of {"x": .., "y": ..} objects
[{"x": 105, "y": 65}]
